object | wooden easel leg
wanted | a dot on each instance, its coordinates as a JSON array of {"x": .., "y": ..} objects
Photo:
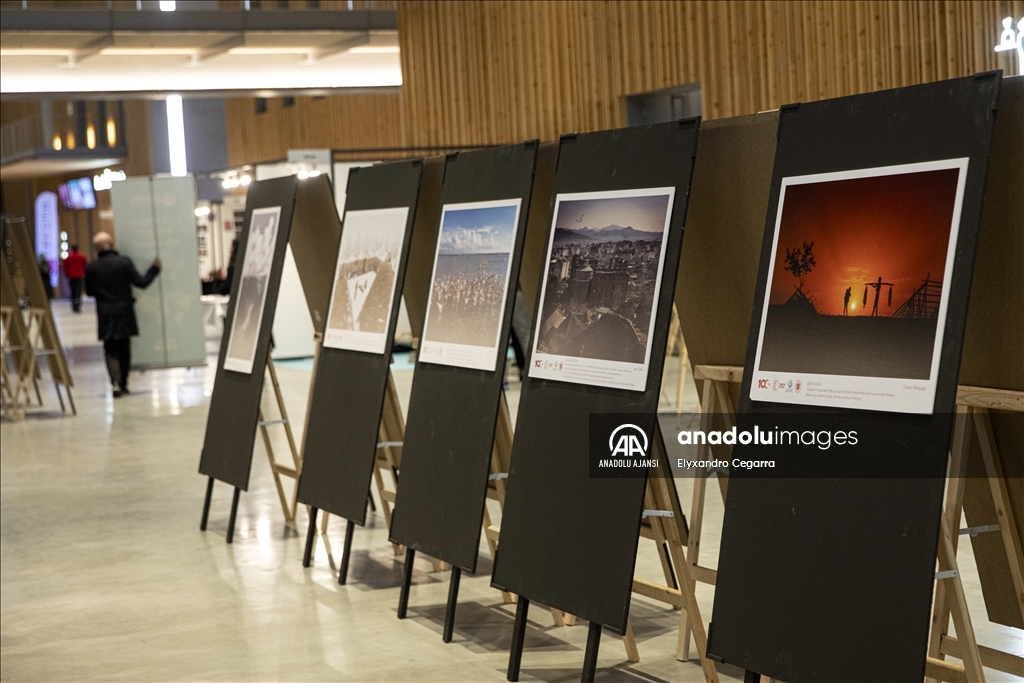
[
  {"x": 951, "y": 517},
  {"x": 958, "y": 609},
  {"x": 629, "y": 641},
  {"x": 346, "y": 553},
  {"x": 667, "y": 554},
  {"x": 71, "y": 400},
  {"x": 403, "y": 596},
  {"x": 453, "y": 599},
  {"x": 56, "y": 387},
  {"x": 515, "y": 657},
  {"x": 289, "y": 509},
  {"x": 1001, "y": 500},
  {"x": 231, "y": 519},
  {"x": 307, "y": 556},
  {"x": 590, "y": 656},
  {"x": 206, "y": 504},
  {"x": 700, "y": 483}
]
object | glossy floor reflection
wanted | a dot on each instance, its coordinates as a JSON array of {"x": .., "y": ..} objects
[{"x": 106, "y": 576}]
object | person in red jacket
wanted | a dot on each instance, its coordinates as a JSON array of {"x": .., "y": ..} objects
[{"x": 74, "y": 269}]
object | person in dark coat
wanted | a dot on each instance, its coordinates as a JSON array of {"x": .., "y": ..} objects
[{"x": 109, "y": 279}]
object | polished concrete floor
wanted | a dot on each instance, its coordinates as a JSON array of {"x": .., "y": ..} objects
[{"x": 106, "y": 576}]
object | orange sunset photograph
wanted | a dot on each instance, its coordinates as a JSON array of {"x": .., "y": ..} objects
[{"x": 857, "y": 275}]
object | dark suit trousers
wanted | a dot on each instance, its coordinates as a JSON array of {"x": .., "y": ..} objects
[{"x": 119, "y": 360}]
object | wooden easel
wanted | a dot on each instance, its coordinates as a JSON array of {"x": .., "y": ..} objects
[
  {"x": 29, "y": 330},
  {"x": 677, "y": 346},
  {"x": 277, "y": 469},
  {"x": 663, "y": 522},
  {"x": 10, "y": 380},
  {"x": 288, "y": 504},
  {"x": 35, "y": 334},
  {"x": 973, "y": 419},
  {"x": 715, "y": 398},
  {"x": 387, "y": 461}
]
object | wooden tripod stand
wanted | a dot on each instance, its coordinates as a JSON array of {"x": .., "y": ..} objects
[
  {"x": 277, "y": 469},
  {"x": 974, "y": 419}
]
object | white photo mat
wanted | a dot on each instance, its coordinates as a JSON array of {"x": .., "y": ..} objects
[
  {"x": 850, "y": 391},
  {"x": 388, "y": 227},
  {"x": 468, "y": 355},
  {"x": 595, "y": 371},
  {"x": 260, "y": 248}
]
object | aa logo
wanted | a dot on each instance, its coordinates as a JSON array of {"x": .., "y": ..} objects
[{"x": 628, "y": 440}]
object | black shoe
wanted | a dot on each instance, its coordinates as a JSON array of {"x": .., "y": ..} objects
[
  {"x": 124, "y": 390},
  {"x": 117, "y": 393}
]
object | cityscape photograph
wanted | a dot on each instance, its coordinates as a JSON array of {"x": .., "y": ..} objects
[{"x": 603, "y": 276}]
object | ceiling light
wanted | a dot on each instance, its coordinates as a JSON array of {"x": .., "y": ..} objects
[{"x": 176, "y": 135}]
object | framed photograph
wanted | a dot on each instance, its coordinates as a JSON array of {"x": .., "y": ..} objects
[
  {"x": 599, "y": 299},
  {"x": 856, "y": 298},
  {"x": 469, "y": 285},
  {"x": 247, "y": 321},
  {"x": 359, "y": 316}
]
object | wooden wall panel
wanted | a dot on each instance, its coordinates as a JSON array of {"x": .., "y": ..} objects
[
  {"x": 486, "y": 72},
  {"x": 357, "y": 121},
  {"x": 481, "y": 72}
]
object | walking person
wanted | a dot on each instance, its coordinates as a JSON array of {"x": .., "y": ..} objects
[
  {"x": 74, "y": 270},
  {"x": 109, "y": 279}
]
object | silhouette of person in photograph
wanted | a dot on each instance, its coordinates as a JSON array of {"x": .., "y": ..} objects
[{"x": 846, "y": 301}]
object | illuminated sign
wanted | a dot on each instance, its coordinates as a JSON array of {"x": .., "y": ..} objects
[
  {"x": 46, "y": 233},
  {"x": 105, "y": 180},
  {"x": 1008, "y": 40}
]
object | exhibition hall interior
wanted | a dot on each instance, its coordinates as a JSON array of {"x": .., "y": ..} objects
[{"x": 446, "y": 341}]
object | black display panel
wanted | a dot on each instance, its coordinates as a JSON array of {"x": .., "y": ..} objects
[
  {"x": 343, "y": 422},
  {"x": 808, "y": 566},
  {"x": 235, "y": 403},
  {"x": 568, "y": 540},
  {"x": 453, "y": 410}
]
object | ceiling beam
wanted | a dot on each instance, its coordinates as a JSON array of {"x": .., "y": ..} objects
[
  {"x": 341, "y": 46},
  {"x": 90, "y": 49},
  {"x": 218, "y": 48}
]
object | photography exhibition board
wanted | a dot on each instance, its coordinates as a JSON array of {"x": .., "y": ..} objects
[
  {"x": 987, "y": 456},
  {"x": 235, "y": 402},
  {"x": 800, "y": 611},
  {"x": 293, "y": 329},
  {"x": 446, "y": 457},
  {"x": 535, "y": 249},
  {"x": 724, "y": 225},
  {"x": 426, "y": 225},
  {"x": 568, "y": 540},
  {"x": 344, "y": 415},
  {"x": 992, "y": 355},
  {"x": 314, "y": 239},
  {"x": 154, "y": 217}
]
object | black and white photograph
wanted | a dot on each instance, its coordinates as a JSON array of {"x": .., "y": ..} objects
[
  {"x": 469, "y": 285},
  {"x": 600, "y": 294},
  {"x": 252, "y": 291},
  {"x": 855, "y": 305},
  {"x": 364, "y": 279}
]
